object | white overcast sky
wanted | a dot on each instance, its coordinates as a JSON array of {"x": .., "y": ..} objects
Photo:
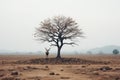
[{"x": 99, "y": 19}]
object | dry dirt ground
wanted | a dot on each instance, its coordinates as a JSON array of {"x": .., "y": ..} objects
[{"x": 77, "y": 67}]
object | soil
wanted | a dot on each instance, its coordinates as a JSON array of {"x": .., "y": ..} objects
[{"x": 77, "y": 67}]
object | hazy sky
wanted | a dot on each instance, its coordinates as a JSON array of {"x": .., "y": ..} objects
[{"x": 99, "y": 19}]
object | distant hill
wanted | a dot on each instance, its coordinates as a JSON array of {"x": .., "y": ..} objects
[
  {"x": 105, "y": 49},
  {"x": 100, "y": 50},
  {"x": 10, "y": 52},
  {"x": 5, "y": 51}
]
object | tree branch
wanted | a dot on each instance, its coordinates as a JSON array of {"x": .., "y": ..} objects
[{"x": 71, "y": 43}]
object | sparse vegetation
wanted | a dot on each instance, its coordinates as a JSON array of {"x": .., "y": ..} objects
[{"x": 88, "y": 67}]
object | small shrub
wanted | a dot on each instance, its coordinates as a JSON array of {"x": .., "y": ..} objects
[{"x": 115, "y": 51}]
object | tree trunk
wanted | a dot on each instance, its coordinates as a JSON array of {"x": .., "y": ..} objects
[{"x": 58, "y": 53}]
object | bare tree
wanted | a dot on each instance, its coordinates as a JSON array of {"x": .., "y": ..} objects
[{"x": 59, "y": 30}]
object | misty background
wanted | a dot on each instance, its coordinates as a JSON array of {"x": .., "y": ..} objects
[{"x": 99, "y": 20}]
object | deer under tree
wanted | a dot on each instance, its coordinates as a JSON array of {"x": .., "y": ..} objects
[
  {"x": 47, "y": 52},
  {"x": 59, "y": 31}
]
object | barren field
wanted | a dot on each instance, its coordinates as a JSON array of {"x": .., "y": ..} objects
[{"x": 74, "y": 67}]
